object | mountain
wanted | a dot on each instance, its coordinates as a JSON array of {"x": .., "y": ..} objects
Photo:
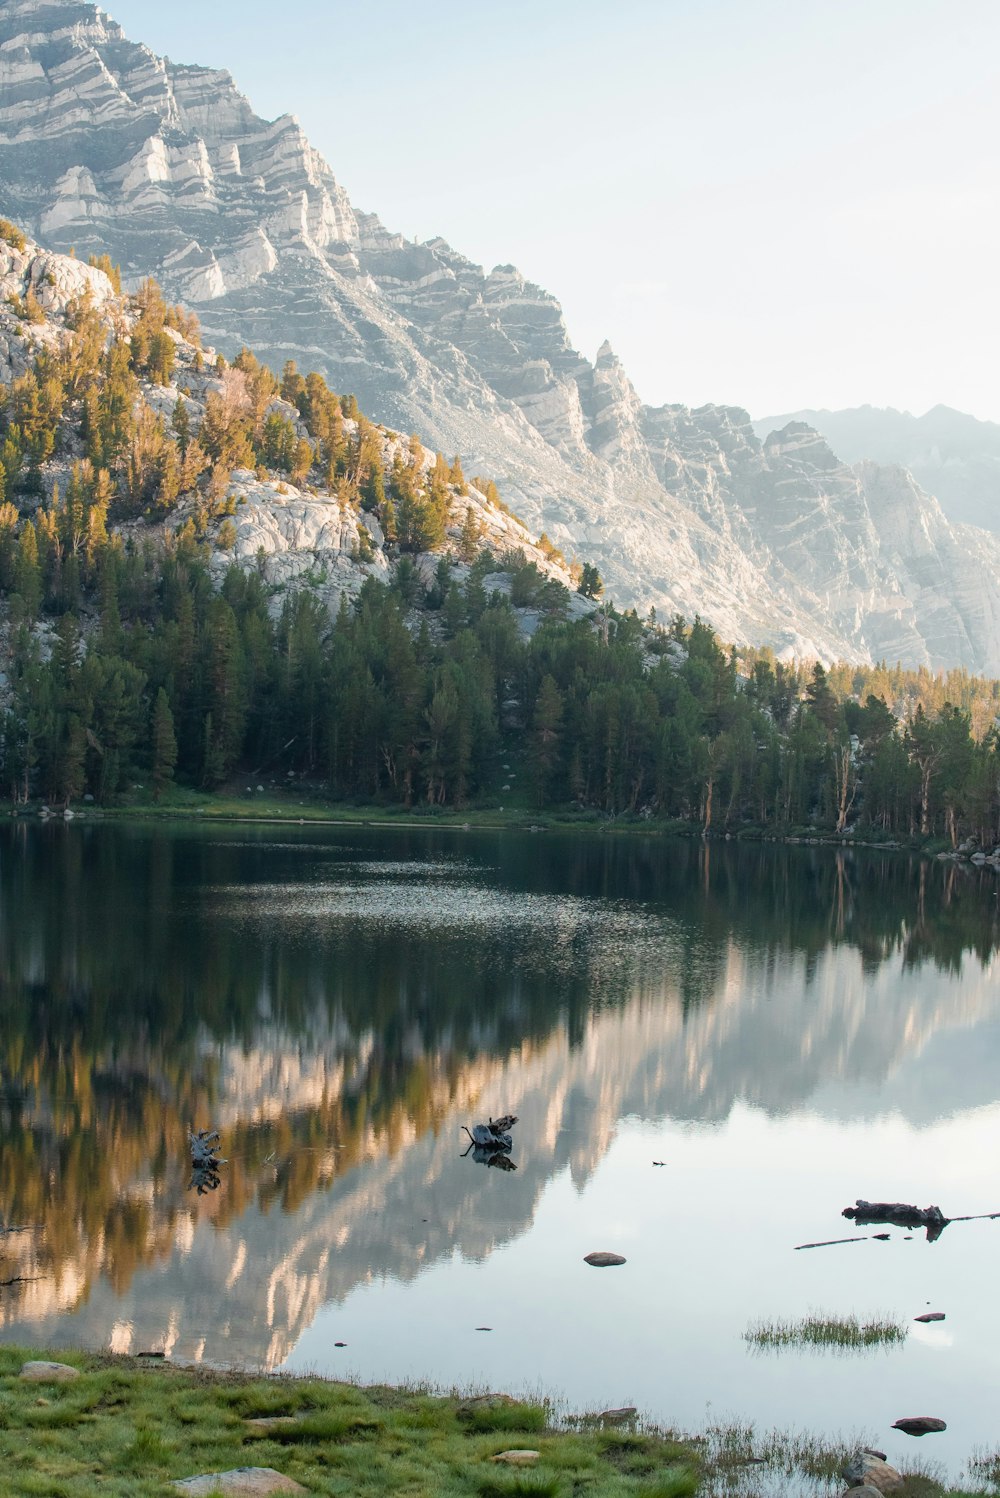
[
  {"x": 951, "y": 454},
  {"x": 106, "y": 147}
]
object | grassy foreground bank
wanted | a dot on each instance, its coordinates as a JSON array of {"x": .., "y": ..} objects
[{"x": 130, "y": 1426}]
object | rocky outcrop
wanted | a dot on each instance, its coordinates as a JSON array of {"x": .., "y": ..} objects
[
  {"x": 54, "y": 282},
  {"x": 105, "y": 146},
  {"x": 295, "y": 538}
]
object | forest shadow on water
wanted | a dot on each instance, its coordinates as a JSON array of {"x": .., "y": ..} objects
[{"x": 339, "y": 1003}]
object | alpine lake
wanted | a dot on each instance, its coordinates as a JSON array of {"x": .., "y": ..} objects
[{"x": 711, "y": 1049}]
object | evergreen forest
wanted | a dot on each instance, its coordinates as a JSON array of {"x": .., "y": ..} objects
[{"x": 127, "y": 665}]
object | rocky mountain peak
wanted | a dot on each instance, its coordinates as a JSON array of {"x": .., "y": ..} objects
[
  {"x": 106, "y": 147},
  {"x": 801, "y": 443}
]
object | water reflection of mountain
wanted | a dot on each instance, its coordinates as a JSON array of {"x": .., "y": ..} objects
[{"x": 340, "y": 1011}]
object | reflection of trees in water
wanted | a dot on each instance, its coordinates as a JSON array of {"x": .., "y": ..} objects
[{"x": 123, "y": 973}]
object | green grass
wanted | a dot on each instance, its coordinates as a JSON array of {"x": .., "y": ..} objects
[
  {"x": 844, "y": 1333},
  {"x": 480, "y": 1416},
  {"x": 128, "y": 1428}
]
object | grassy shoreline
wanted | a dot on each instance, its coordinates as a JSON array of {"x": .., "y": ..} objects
[
  {"x": 285, "y": 809},
  {"x": 133, "y": 1426}
]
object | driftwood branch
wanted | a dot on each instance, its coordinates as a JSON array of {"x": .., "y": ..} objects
[{"x": 832, "y": 1242}]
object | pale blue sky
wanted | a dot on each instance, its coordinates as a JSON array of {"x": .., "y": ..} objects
[{"x": 773, "y": 203}]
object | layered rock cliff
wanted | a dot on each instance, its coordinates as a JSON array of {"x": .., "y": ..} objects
[
  {"x": 105, "y": 146},
  {"x": 951, "y": 454}
]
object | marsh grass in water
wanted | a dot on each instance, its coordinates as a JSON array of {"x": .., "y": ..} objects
[
  {"x": 841, "y": 1333},
  {"x": 740, "y": 1461},
  {"x": 984, "y": 1469}
]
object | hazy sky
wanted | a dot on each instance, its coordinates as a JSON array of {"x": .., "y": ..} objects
[{"x": 773, "y": 203}]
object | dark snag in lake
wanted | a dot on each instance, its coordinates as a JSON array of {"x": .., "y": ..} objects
[
  {"x": 205, "y": 1161},
  {"x": 493, "y": 1156},
  {"x": 491, "y": 1142},
  {"x": 900, "y": 1215}
]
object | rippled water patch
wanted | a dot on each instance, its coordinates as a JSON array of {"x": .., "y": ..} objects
[
  {"x": 443, "y": 868},
  {"x": 408, "y": 904}
]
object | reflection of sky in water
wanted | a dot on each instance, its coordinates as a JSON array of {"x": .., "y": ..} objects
[
  {"x": 777, "y": 1080},
  {"x": 409, "y": 903},
  {"x": 709, "y": 1240}
]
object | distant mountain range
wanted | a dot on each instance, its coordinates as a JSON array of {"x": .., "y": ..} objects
[
  {"x": 952, "y": 455},
  {"x": 105, "y": 146}
]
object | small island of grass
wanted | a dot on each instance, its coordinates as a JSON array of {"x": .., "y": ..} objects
[{"x": 844, "y": 1333}]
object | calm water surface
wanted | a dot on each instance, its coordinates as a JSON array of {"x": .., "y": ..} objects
[{"x": 786, "y": 1029}]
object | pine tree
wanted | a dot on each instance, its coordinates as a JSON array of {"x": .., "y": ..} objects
[
  {"x": 591, "y": 584},
  {"x": 468, "y": 542},
  {"x": 545, "y": 738},
  {"x": 181, "y": 423},
  {"x": 164, "y": 744},
  {"x": 27, "y": 571}
]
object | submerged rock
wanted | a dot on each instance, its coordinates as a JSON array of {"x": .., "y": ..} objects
[
  {"x": 919, "y": 1425},
  {"x": 866, "y": 1470},
  {"x": 603, "y": 1260},
  {"x": 930, "y": 1316},
  {"x": 240, "y": 1482}
]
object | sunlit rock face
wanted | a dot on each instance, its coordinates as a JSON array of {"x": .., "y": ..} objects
[
  {"x": 105, "y": 146},
  {"x": 55, "y": 282}
]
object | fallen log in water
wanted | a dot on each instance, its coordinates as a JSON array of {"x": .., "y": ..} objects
[{"x": 900, "y": 1215}]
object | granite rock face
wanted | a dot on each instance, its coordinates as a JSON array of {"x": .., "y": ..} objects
[
  {"x": 106, "y": 147},
  {"x": 951, "y": 454}
]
